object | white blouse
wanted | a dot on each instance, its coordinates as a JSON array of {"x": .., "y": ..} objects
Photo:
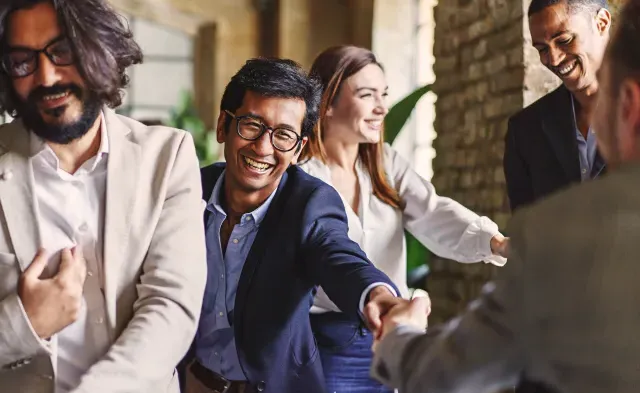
[{"x": 444, "y": 226}]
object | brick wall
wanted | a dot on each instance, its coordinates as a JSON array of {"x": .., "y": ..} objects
[{"x": 484, "y": 74}]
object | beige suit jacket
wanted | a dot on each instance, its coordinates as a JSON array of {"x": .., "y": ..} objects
[
  {"x": 154, "y": 261},
  {"x": 564, "y": 311}
]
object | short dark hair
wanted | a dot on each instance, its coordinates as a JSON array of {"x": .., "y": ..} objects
[
  {"x": 103, "y": 45},
  {"x": 575, "y": 5},
  {"x": 623, "y": 50},
  {"x": 271, "y": 77}
]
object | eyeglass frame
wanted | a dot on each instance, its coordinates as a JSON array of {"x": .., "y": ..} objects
[
  {"x": 265, "y": 128},
  {"x": 36, "y": 56}
]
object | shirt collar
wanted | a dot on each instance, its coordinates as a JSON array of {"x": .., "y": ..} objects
[
  {"x": 575, "y": 120},
  {"x": 257, "y": 215},
  {"x": 39, "y": 148}
]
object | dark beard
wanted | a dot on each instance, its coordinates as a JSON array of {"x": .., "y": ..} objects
[{"x": 59, "y": 133}]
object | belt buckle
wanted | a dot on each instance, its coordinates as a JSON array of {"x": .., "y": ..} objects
[{"x": 227, "y": 384}]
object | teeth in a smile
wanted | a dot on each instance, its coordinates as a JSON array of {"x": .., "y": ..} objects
[
  {"x": 256, "y": 164},
  {"x": 55, "y": 96},
  {"x": 564, "y": 71},
  {"x": 375, "y": 123}
]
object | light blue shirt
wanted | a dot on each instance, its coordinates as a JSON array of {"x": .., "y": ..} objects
[
  {"x": 586, "y": 147},
  {"x": 215, "y": 340}
]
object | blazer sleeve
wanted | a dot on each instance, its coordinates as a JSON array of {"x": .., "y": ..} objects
[
  {"x": 18, "y": 340},
  {"x": 482, "y": 350},
  {"x": 333, "y": 260},
  {"x": 516, "y": 174},
  {"x": 170, "y": 291}
]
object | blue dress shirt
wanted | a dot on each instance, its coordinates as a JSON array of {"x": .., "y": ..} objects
[
  {"x": 586, "y": 147},
  {"x": 215, "y": 346}
]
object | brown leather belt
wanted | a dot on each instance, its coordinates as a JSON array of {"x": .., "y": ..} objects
[{"x": 216, "y": 382}]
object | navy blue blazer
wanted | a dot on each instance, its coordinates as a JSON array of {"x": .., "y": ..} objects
[{"x": 302, "y": 243}]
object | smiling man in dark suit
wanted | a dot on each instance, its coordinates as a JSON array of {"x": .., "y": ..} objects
[
  {"x": 273, "y": 234},
  {"x": 551, "y": 143}
]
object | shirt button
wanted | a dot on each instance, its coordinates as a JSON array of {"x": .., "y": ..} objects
[
  {"x": 248, "y": 218},
  {"x": 584, "y": 171},
  {"x": 235, "y": 241},
  {"x": 100, "y": 320},
  {"x": 221, "y": 313},
  {"x": 84, "y": 227},
  {"x": 215, "y": 353},
  {"x": 89, "y": 273},
  {"x": 222, "y": 276}
]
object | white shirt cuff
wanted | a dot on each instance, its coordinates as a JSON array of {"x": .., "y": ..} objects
[{"x": 365, "y": 293}]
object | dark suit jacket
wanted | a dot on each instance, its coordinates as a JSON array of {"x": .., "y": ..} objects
[
  {"x": 302, "y": 242},
  {"x": 541, "y": 150}
]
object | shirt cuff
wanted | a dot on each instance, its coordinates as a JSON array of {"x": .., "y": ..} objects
[
  {"x": 45, "y": 343},
  {"x": 487, "y": 229},
  {"x": 365, "y": 293}
]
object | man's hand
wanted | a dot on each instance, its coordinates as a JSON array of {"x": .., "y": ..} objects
[
  {"x": 500, "y": 245},
  {"x": 54, "y": 303},
  {"x": 412, "y": 313},
  {"x": 381, "y": 300}
]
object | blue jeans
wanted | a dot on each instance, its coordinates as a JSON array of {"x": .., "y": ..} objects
[{"x": 345, "y": 352}]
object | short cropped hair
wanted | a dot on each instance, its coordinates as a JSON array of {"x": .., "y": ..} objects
[
  {"x": 271, "y": 77},
  {"x": 574, "y": 5},
  {"x": 623, "y": 49}
]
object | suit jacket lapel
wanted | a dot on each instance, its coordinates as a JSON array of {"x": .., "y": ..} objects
[
  {"x": 257, "y": 252},
  {"x": 559, "y": 126},
  {"x": 122, "y": 178},
  {"x": 16, "y": 192}
]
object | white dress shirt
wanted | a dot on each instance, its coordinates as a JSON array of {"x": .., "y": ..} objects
[
  {"x": 70, "y": 211},
  {"x": 444, "y": 226}
]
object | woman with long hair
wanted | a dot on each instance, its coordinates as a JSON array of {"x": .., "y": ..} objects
[{"x": 383, "y": 196}]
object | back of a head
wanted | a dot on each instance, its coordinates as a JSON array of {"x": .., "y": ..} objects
[
  {"x": 623, "y": 51},
  {"x": 271, "y": 77},
  {"x": 576, "y": 5}
]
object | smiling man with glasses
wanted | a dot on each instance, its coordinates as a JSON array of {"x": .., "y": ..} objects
[
  {"x": 102, "y": 252},
  {"x": 274, "y": 233}
]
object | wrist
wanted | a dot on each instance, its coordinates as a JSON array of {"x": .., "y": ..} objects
[
  {"x": 378, "y": 291},
  {"x": 496, "y": 244}
]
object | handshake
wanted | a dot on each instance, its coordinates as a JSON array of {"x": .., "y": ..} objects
[{"x": 385, "y": 312}]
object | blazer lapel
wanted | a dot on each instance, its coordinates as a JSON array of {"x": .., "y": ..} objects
[
  {"x": 16, "y": 193},
  {"x": 257, "y": 252},
  {"x": 122, "y": 178},
  {"x": 559, "y": 126}
]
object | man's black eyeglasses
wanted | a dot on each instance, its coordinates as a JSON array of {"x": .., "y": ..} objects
[
  {"x": 250, "y": 128},
  {"x": 19, "y": 62}
]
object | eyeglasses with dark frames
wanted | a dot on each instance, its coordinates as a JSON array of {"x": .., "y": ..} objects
[
  {"x": 19, "y": 62},
  {"x": 251, "y": 129}
]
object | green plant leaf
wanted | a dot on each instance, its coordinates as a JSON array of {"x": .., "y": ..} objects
[{"x": 400, "y": 113}]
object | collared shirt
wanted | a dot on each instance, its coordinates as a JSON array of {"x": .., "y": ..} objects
[
  {"x": 70, "y": 212},
  {"x": 215, "y": 340},
  {"x": 215, "y": 346},
  {"x": 444, "y": 226},
  {"x": 586, "y": 147}
]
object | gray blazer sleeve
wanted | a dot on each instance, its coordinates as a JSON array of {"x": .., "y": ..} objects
[{"x": 479, "y": 351}]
